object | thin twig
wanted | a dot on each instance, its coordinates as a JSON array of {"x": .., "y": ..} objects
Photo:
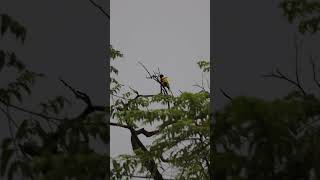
[
  {"x": 314, "y": 71},
  {"x": 225, "y": 94},
  {"x": 30, "y": 112},
  {"x": 84, "y": 97},
  {"x": 100, "y": 8},
  {"x": 154, "y": 77},
  {"x": 280, "y": 75},
  {"x": 201, "y": 87},
  {"x": 296, "y": 45},
  {"x": 78, "y": 94},
  {"x": 10, "y": 122},
  {"x": 6, "y": 112}
]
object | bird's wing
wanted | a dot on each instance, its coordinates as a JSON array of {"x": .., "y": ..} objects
[{"x": 166, "y": 80}]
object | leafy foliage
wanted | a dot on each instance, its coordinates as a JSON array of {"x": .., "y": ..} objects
[
  {"x": 306, "y": 12},
  {"x": 252, "y": 138},
  {"x": 180, "y": 135},
  {"x": 8, "y": 23},
  {"x": 114, "y": 84},
  {"x": 257, "y": 139},
  {"x": 204, "y": 65},
  {"x": 114, "y": 53}
]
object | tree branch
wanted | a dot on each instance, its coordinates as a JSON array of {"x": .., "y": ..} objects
[
  {"x": 139, "y": 131},
  {"x": 296, "y": 45},
  {"x": 154, "y": 76},
  {"x": 314, "y": 71},
  {"x": 86, "y": 99},
  {"x": 149, "y": 164},
  {"x": 225, "y": 94},
  {"x": 280, "y": 75},
  {"x": 30, "y": 112},
  {"x": 147, "y": 133},
  {"x": 100, "y": 8}
]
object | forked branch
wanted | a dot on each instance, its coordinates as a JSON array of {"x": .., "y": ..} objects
[
  {"x": 86, "y": 99},
  {"x": 279, "y": 75}
]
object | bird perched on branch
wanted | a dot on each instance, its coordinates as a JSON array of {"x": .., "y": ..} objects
[{"x": 165, "y": 83}]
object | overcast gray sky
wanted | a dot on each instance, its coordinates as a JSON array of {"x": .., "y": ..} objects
[{"x": 169, "y": 34}]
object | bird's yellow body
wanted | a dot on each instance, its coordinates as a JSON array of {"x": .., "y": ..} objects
[{"x": 165, "y": 83}]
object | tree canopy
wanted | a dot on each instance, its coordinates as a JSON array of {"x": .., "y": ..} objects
[
  {"x": 306, "y": 13},
  {"x": 179, "y": 131},
  {"x": 258, "y": 139}
]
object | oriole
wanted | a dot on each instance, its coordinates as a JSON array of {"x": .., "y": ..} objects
[{"x": 165, "y": 83}]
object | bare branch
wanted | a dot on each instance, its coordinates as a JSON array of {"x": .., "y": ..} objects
[
  {"x": 84, "y": 97},
  {"x": 296, "y": 45},
  {"x": 144, "y": 67},
  {"x": 120, "y": 125},
  {"x": 78, "y": 94},
  {"x": 139, "y": 95},
  {"x": 225, "y": 94},
  {"x": 150, "y": 164},
  {"x": 154, "y": 76},
  {"x": 280, "y": 75},
  {"x": 8, "y": 115},
  {"x": 30, "y": 112},
  {"x": 140, "y": 131},
  {"x": 314, "y": 71},
  {"x": 147, "y": 133},
  {"x": 100, "y": 8},
  {"x": 201, "y": 87}
]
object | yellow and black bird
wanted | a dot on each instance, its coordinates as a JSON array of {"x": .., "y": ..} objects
[{"x": 165, "y": 83}]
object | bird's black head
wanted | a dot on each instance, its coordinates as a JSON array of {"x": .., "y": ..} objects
[{"x": 161, "y": 75}]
